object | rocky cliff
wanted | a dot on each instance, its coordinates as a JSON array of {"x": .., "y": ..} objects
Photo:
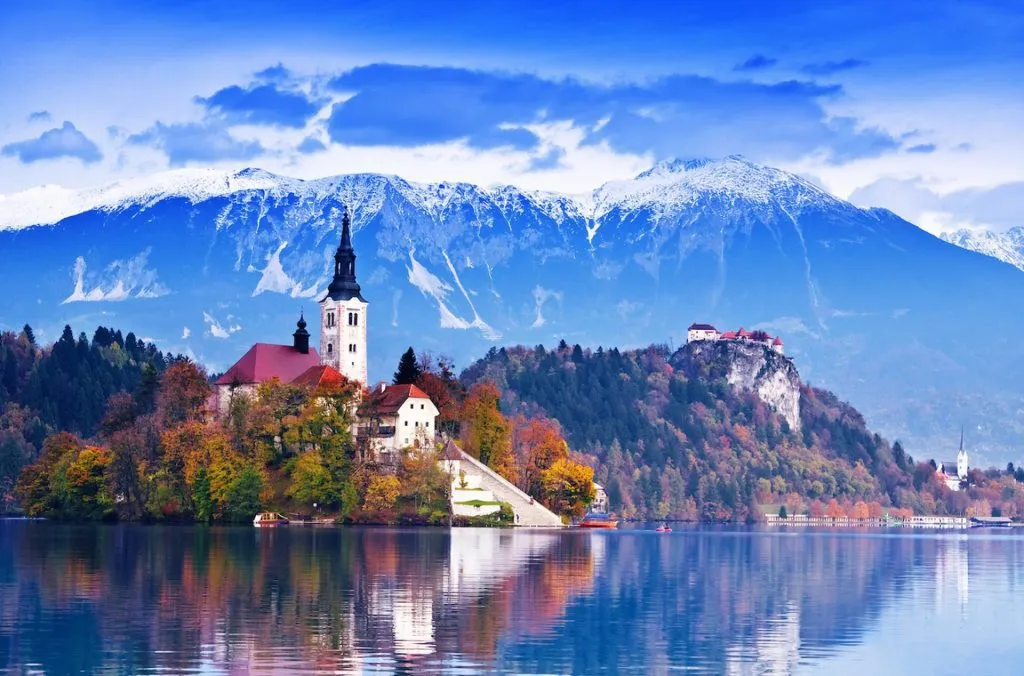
[{"x": 749, "y": 366}]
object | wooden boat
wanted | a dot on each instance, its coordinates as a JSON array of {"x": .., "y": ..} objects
[
  {"x": 269, "y": 519},
  {"x": 598, "y": 521}
]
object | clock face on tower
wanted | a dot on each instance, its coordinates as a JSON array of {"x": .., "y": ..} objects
[{"x": 343, "y": 314}]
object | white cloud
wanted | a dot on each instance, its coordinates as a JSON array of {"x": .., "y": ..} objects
[
  {"x": 186, "y": 332},
  {"x": 121, "y": 280},
  {"x": 215, "y": 328}
]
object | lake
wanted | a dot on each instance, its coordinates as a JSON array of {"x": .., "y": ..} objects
[{"x": 137, "y": 599}]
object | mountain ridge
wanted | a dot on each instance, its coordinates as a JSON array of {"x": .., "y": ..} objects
[{"x": 870, "y": 305}]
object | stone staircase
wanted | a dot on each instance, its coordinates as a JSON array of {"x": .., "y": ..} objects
[{"x": 529, "y": 512}]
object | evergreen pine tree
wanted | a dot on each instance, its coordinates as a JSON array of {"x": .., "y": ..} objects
[
  {"x": 30, "y": 335},
  {"x": 409, "y": 371}
]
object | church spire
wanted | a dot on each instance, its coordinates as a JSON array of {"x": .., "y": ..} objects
[
  {"x": 961, "y": 436},
  {"x": 301, "y": 336},
  {"x": 344, "y": 285}
]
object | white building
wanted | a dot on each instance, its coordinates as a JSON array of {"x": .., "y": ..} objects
[
  {"x": 343, "y": 314},
  {"x": 394, "y": 417},
  {"x": 698, "y": 332},
  {"x": 600, "y": 503},
  {"x": 701, "y": 332},
  {"x": 954, "y": 472}
]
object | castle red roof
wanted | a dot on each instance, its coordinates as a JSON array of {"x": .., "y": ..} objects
[
  {"x": 391, "y": 399},
  {"x": 264, "y": 362},
  {"x": 729, "y": 335},
  {"x": 318, "y": 376},
  {"x": 777, "y": 341},
  {"x": 743, "y": 333}
]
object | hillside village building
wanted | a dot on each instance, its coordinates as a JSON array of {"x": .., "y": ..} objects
[
  {"x": 709, "y": 332},
  {"x": 954, "y": 472}
]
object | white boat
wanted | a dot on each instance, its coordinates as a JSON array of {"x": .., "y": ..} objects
[{"x": 268, "y": 519}]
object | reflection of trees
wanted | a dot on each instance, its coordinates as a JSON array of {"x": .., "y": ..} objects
[
  {"x": 133, "y": 598},
  {"x": 317, "y": 599}
]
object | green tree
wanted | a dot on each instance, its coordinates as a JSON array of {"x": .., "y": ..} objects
[
  {"x": 782, "y": 512},
  {"x": 409, "y": 371},
  {"x": 243, "y": 498},
  {"x": 201, "y": 500},
  {"x": 311, "y": 481}
]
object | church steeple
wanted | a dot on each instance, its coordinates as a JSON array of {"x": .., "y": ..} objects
[
  {"x": 301, "y": 336},
  {"x": 344, "y": 285},
  {"x": 343, "y": 314}
]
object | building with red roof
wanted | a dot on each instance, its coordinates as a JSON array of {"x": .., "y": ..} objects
[
  {"x": 698, "y": 331},
  {"x": 394, "y": 417},
  {"x": 297, "y": 364}
]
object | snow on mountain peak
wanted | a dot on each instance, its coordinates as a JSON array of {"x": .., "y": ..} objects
[
  {"x": 675, "y": 183},
  {"x": 666, "y": 187},
  {"x": 1007, "y": 247}
]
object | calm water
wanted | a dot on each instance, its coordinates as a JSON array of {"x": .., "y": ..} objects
[{"x": 88, "y": 599}]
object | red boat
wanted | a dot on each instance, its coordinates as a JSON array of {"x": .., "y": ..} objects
[
  {"x": 663, "y": 529},
  {"x": 598, "y": 521}
]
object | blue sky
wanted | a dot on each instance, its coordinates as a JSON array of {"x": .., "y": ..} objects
[{"x": 911, "y": 105}]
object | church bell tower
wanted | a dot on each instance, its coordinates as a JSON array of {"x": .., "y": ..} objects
[{"x": 343, "y": 314}]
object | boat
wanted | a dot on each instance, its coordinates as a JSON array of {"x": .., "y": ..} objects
[
  {"x": 598, "y": 521},
  {"x": 663, "y": 529},
  {"x": 269, "y": 519}
]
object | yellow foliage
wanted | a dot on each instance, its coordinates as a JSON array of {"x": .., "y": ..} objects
[{"x": 381, "y": 493}]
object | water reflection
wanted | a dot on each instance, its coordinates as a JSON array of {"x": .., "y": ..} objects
[{"x": 85, "y": 599}]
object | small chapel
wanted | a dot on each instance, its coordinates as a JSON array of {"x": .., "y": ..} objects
[
  {"x": 396, "y": 416},
  {"x": 954, "y": 472}
]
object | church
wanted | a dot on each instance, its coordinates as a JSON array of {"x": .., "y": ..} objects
[
  {"x": 954, "y": 472},
  {"x": 395, "y": 417}
]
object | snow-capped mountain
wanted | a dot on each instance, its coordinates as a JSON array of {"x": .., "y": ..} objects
[
  {"x": 903, "y": 324},
  {"x": 1007, "y": 247}
]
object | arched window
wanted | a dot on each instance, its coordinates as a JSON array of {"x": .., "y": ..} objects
[{"x": 330, "y": 348}]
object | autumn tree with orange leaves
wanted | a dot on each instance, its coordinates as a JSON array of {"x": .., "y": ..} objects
[{"x": 486, "y": 433}]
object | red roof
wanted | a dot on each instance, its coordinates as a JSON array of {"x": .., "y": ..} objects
[
  {"x": 318, "y": 376},
  {"x": 743, "y": 333},
  {"x": 264, "y": 361},
  {"x": 729, "y": 334},
  {"x": 391, "y": 399},
  {"x": 778, "y": 341}
]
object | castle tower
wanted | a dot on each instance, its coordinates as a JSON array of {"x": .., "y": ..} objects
[{"x": 343, "y": 314}]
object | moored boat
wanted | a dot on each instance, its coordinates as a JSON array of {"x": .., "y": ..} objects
[
  {"x": 663, "y": 529},
  {"x": 268, "y": 519},
  {"x": 598, "y": 521}
]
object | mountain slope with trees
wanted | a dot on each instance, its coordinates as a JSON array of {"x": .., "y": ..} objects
[{"x": 671, "y": 438}]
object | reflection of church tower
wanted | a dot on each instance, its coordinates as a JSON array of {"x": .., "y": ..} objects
[{"x": 343, "y": 314}]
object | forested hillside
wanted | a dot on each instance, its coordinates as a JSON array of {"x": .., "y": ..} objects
[
  {"x": 670, "y": 438},
  {"x": 65, "y": 387}
]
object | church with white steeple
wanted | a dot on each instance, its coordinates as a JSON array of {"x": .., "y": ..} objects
[
  {"x": 343, "y": 314},
  {"x": 954, "y": 472}
]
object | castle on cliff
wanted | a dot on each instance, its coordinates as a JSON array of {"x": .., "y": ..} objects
[{"x": 709, "y": 332}]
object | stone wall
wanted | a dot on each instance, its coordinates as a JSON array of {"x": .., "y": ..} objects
[{"x": 528, "y": 512}]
